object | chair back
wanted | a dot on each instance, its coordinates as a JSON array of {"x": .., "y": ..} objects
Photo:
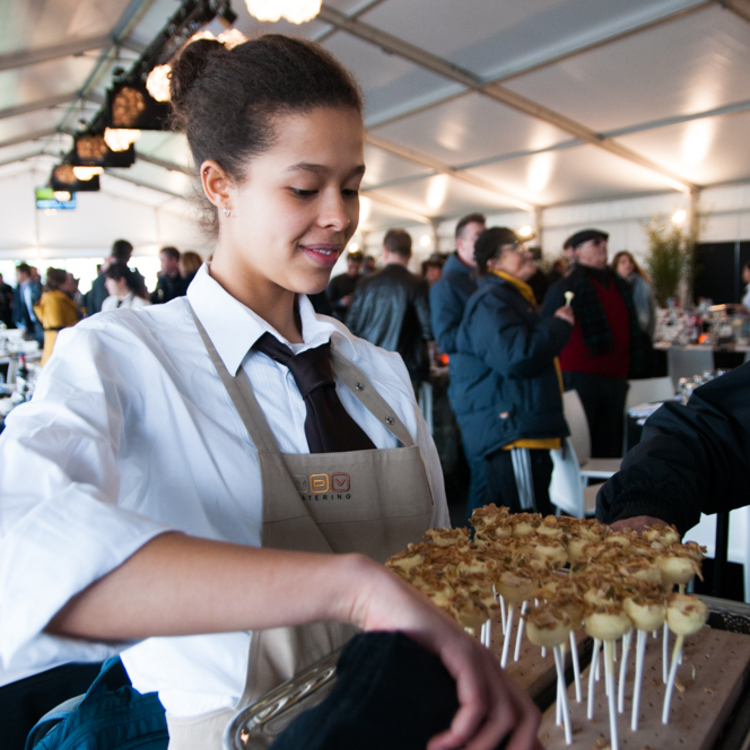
[
  {"x": 738, "y": 549},
  {"x": 566, "y": 487},
  {"x": 649, "y": 390},
  {"x": 575, "y": 416}
]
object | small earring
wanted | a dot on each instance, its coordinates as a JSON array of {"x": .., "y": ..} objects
[{"x": 227, "y": 212}]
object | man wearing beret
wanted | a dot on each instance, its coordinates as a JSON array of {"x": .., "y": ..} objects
[{"x": 606, "y": 342}]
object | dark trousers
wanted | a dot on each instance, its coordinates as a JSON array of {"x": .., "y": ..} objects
[
  {"x": 24, "y": 702},
  {"x": 603, "y": 401},
  {"x": 501, "y": 481}
]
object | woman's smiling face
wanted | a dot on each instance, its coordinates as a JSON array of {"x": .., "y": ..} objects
[{"x": 298, "y": 205}]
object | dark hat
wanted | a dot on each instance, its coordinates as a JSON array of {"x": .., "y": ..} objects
[
  {"x": 490, "y": 241},
  {"x": 584, "y": 236},
  {"x": 355, "y": 255}
]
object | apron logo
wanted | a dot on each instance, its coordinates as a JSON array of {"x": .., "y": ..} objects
[
  {"x": 319, "y": 483},
  {"x": 336, "y": 486},
  {"x": 300, "y": 482},
  {"x": 340, "y": 482}
]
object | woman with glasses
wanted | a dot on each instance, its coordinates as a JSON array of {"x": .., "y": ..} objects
[{"x": 507, "y": 383}]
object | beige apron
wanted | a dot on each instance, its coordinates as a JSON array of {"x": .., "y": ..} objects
[{"x": 370, "y": 501}]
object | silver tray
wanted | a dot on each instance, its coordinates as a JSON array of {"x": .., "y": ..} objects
[{"x": 256, "y": 726}]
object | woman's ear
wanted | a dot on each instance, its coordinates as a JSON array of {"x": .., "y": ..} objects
[{"x": 216, "y": 184}]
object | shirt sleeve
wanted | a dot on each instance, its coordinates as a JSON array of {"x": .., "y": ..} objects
[
  {"x": 691, "y": 459},
  {"x": 60, "y": 525}
]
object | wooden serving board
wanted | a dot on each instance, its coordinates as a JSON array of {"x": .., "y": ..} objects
[
  {"x": 532, "y": 672},
  {"x": 715, "y": 667}
]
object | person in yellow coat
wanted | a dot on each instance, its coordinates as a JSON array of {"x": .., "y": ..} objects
[{"x": 55, "y": 310}]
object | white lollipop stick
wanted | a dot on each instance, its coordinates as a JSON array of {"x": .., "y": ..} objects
[
  {"x": 568, "y": 298},
  {"x": 562, "y": 694},
  {"x": 592, "y": 671},
  {"x": 484, "y": 635},
  {"x": 672, "y": 676},
  {"x": 640, "y": 655},
  {"x": 558, "y": 707},
  {"x": 614, "y": 651},
  {"x": 519, "y": 632},
  {"x": 508, "y": 635},
  {"x": 623, "y": 672},
  {"x": 610, "y": 681},
  {"x": 544, "y": 652},
  {"x": 665, "y": 653},
  {"x": 502, "y": 612},
  {"x": 576, "y": 666}
]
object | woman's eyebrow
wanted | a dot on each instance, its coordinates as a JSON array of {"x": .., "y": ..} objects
[{"x": 321, "y": 169}]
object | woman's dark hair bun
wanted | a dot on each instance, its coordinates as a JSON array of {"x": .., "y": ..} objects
[{"x": 190, "y": 66}]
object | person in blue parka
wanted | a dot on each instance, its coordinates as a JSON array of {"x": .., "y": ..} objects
[{"x": 505, "y": 377}]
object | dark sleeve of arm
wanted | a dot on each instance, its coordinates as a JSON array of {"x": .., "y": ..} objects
[
  {"x": 691, "y": 459},
  {"x": 352, "y": 317},
  {"x": 422, "y": 307},
  {"x": 446, "y": 308},
  {"x": 555, "y": 298}
]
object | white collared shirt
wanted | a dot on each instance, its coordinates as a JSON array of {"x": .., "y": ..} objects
[{"x": 131, "y": 433}]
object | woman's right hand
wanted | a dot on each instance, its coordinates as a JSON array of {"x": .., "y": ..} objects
[
  {"x": 492, "y": 706},
  {"x": 566, "y": 313}
]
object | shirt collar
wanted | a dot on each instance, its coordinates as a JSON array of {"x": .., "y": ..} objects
[{"x": 234, "y": 328}]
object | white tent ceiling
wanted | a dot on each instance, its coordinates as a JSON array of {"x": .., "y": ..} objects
[{"x": 490, "y": 105}]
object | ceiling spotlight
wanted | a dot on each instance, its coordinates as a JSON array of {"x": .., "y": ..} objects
[
  {"x": 87, "y": 173},
  {"x": 679, "y": 216},
  {"x": 120, "y": 139},
  {"x": 296, "y": 11},
  {"x": 424, "y": 240},
  {"x": 353, "y": 247},
  {"x": 526, "y": 231},
  {"x": 157, "y": 83}
]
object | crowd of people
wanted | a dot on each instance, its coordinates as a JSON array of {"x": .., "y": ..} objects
[
  {"x": 516, "y": 337},
  {"x": 41, "y": 307}
]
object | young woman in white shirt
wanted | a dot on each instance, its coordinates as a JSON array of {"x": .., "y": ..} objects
[
  {"x": 126, "y": 289},
  {"x": 143, "y": 510}
]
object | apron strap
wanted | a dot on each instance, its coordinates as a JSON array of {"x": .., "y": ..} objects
[
  {"x": 359, "y": 384},
  {"x": 243, "y": 398}
]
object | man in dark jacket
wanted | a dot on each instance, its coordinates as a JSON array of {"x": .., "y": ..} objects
[
  {"x": 28, "y": 293},
  {"x": 170, "y": 283},
  {"x": 606, "y": 340},
  {"x": 448, "y": 297},
  {"x": 121, "y": 252},
  {"x": 391, "y": 308},
  {"x": 691, "y": 459}
]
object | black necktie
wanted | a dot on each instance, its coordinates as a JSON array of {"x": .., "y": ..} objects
[{"x": 328, "y": 426}]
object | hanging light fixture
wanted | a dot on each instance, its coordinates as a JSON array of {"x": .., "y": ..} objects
[
  {"x": 157, "y": 83},
  {"x": 87, "y": 173},
  {"x": 296, "y": 11},
  {"x": 120, "y": 139}
]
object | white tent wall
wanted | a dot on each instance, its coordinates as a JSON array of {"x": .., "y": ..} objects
[{"x": 78, "y": 239}]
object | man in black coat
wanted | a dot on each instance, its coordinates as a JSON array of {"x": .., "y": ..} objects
[
  {"x": 691, "y": 459},
  {"x": 391, "y": 308}
]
